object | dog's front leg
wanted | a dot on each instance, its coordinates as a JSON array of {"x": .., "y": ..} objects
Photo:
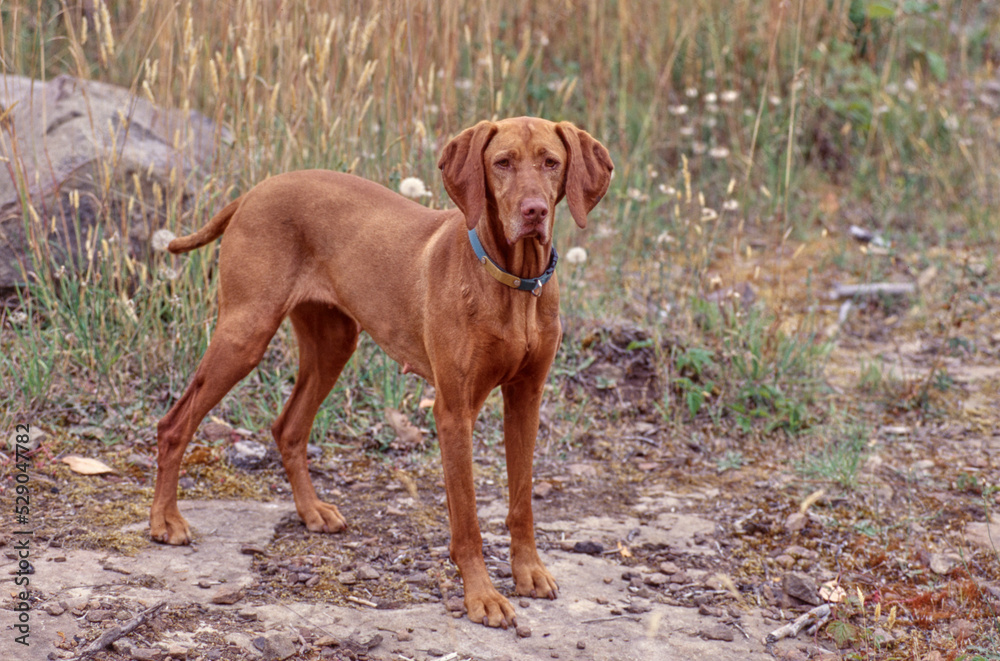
[
  {"x": 521, "y": 403},
  {"x": 482, "y": 601}
]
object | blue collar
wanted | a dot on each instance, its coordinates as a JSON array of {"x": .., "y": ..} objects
[{"x": 534, "y": 285}]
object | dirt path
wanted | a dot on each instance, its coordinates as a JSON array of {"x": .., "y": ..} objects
[{"x": 599, "y": 615}]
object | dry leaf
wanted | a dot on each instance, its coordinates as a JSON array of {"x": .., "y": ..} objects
[
  {"x": 407, "y": 434},
  {"x": 86, "y": 466},
  {"x": 623, "y": 550},
  {"x": 832, "y": 592},
  {"x": 427, "y": 403}
]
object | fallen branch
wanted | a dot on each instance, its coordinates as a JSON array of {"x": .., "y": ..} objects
[
  {"x": 363, "y": 602},
  {"x": 874, "y": 289},
  {"x": 114, "y": 633},
  {"x": 793, "y": 628}
]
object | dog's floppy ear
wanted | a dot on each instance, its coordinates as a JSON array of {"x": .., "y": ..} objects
[
  {"x": 461, "y": 166},
  {"x": 588, "y": 172}
]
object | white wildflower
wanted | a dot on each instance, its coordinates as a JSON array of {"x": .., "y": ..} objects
[
  {"x": 161, "y": 239},
  {"x": 711, "y": 97},
  {"x": 637, "y": 195},
  {"x": 698, "y": 148},
  {"x": 576, "y": 255},
  {"x": 691, "y": 92},
  {"x": 664, "y": 237},
  {"x": 678, "y": 110},
  {"x": 712, "y": 108},
  {"x": 730, "y": 205},
  {"x": 414, "y": 188},
  {"x": 167, "y": 273},
  {"x": 686, "y": 131},
  {"x": 669, "y": 191},
  {"x": 911, "y": 85},
  {"x": 708, "y": 214},
  {"x": 951, "y": 123},
  {"x": 18, "y": 317},
  {"x": 718, "y": 152},
  {"x": 729, "y": 96},
  {"x": 774, "y": 100}
]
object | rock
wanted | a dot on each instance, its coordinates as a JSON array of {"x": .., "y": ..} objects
[
  {"x": 581, "y": 645},
  {"x": 962, "y": 629},
  {"x": 99, "y": 615},
  {"x": 455, "y": 605},
  {"x": 503, "y": 570},
  {"x": 367, "y": 573},
  {"x": 246, "y": 455},
  {"x": 717, "y": 632},
  {"x": 247, "y": 615},
  {"x": 177, "y": 651},
  {"x": 276, "y": 646},
  {"x": 669, "y": 568},
  {"x": 796, "y": 522},
  {"x": 404, "y": 636},
  {"x": 147, "y": 654},
  {"x": 657, "y": 579},
  {"x": 942, "y": 563},
  {"x": 54, "y": 609},
  {"x": 216, "y": 431},
  {"x": 785, "y": 561},
  {"x": 326, "y": 641},
  {"x": 227, "y": 595},
  {"x": 980, "y": 534},
  {"x": 588, "y": 547},
  {"x": 523, "y": 631},
  {"x": 347, "y": 578},
  {"x": 67, "y": 132},
  {"x": 802, "y": 587},
  {"x": 542, "y": 490},
  {"x": 35, "y": 435}
]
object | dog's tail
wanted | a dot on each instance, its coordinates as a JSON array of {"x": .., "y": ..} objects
[{"x": 213, "y": 230}]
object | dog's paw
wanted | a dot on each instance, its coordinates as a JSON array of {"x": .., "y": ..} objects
[
  {"x": 173, "y": 531},
  {"x": 491, "y": 608},
  {"x": 324, "y": 517},
  {"x": 534, "y": 580}
]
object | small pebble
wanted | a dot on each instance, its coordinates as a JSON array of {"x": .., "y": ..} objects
[
  {"x": 580, "y": 645},
  {"x": 523, "y": 631},
  {"x": 524, "y": 603}
]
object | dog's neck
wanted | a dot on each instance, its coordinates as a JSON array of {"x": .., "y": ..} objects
[{"x": 527, "y": 258}]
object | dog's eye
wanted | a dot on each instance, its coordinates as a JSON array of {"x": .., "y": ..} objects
[
  {"x": 503, "y": 163},
  {"x": 551, "y": 164}
]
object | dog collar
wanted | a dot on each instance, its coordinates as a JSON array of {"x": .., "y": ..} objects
[{"x": 534, "y": 285}]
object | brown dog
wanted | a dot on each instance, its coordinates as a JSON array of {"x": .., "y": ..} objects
[{"x": 339, "y": 254}]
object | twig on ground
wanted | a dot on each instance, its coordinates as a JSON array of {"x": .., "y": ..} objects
[
  {"x": 113, "y": 634},
  {"x": 793, "y": 628}
]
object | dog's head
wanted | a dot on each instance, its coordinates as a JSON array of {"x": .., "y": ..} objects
[{"x": 520, "y": 169}]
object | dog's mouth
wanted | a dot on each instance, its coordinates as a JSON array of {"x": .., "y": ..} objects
[{"x": 524, "y": 230}]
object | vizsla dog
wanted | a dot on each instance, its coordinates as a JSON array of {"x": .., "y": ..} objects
[{"x": 465, "y": 298}]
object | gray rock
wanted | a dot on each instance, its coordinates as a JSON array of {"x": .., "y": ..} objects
[
  {"x": 246, "y": 455},
  {"x": 276, "y": 646},
  {"x": 802, "y": 587},
  {"x": 717, "y": 632},
  {"x": 67, "y": 131}
]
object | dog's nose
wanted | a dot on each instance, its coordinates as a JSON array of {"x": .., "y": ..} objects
[{"x": 534, "y": 209}]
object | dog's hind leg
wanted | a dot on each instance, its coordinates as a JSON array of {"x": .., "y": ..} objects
[
  {"x": 237, "y": 346},
  {"x": 327, "y": 337}
]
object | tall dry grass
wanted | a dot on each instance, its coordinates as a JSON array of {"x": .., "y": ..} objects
[{"x": 728, "y": 123}]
